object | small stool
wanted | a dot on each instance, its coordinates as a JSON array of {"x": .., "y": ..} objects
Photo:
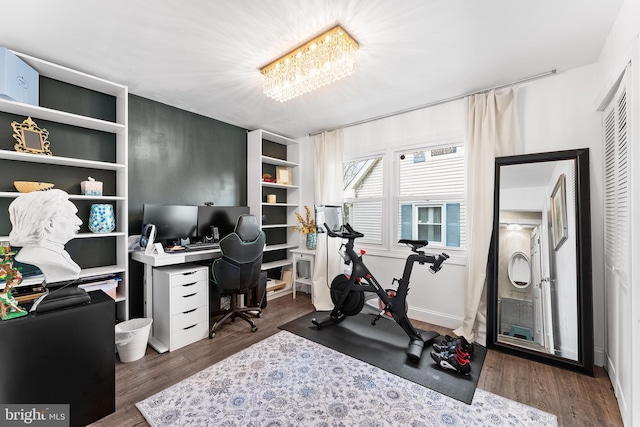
[{"x": 520, "y": 332}]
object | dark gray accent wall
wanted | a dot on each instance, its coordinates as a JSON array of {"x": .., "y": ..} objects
[{"x": 178, "y": 157}]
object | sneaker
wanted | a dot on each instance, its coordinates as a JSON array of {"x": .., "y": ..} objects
[
  {"x": 441, "y": 340},
  {"x": 452, "y": 361},
  {"x": 454, "y": 350},
  {"x": 460, "y": 343}
]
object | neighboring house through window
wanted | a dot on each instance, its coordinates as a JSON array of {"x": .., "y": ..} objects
[{"x": 426, "y": 192}]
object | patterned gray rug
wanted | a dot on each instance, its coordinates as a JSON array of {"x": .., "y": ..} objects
[{"x": 287, "y": 380}]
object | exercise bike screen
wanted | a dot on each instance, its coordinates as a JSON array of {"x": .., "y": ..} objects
[{"x": 331, "y": 215}]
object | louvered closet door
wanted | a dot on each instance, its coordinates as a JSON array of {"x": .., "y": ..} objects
[{"x": 617, "y": 249}]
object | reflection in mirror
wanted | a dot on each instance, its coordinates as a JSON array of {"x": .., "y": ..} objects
[{"x": 537, "y": 301}]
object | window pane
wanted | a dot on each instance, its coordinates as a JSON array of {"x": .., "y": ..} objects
[
  {"x": 406, "y": 222},
  {"x": 453, "y": 224},
  {"x": 429, "y": 215},
  {"x": 433, "y": 172},
  {"x": 431, "y": 233},
  {"x": 363, "y": 195},
  {"x": 363, "y": 178}
]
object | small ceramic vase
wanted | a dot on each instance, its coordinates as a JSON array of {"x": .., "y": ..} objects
[
  {"x": 102, "y": 219},
  {"x": 311, "y": 241}
]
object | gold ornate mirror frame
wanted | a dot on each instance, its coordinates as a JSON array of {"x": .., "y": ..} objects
[{"x": 31, "y": 138}]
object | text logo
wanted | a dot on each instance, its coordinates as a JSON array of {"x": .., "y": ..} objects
[{"x": 34, "y": 415}]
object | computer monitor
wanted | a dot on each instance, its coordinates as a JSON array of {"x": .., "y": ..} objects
[
  {"x": 223, "y": 218},
  {"x": 172, "y": 222},
  {"x": 331, "y": 215}
]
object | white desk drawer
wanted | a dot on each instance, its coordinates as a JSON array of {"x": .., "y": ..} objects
[
  {"x": 188, "y": 297},
  {"x": 189, "y": 277},
  {"x": 189, "y": 318},
  {"x": 189, "y": 335}
]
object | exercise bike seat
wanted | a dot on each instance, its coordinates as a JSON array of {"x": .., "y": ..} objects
[{"x": 415, "y": 244}]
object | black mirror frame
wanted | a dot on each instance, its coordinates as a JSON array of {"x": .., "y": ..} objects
[{"x": 585, "y": 362}]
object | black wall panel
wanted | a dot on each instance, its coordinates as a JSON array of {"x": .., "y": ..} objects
[{"x": 178, "y": 157}]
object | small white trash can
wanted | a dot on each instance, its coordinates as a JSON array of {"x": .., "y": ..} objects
[{"x": 132, "y": 337}]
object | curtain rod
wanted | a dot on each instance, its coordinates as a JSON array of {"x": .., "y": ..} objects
[{"x": 442, "y": 101}]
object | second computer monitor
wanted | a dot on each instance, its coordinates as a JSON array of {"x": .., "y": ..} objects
[{"x": 220, "y": 218}]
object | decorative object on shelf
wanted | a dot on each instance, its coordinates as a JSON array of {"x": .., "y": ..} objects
[
  {"x": 283, "y": 175},
  {"x": 18, "y": 80},
  {"x": 29, "y": 186},
  {"x": 102, "y": 218},
  {"x": 268, "y": 178},
  {"x": 42, "y": 222},
  {"x": 9, "y": 308},
  {"x": 297, "y": 72},
  {"x": 91, "y": 187},
  {"x": 271, "y": 198},
  {"x": 312, "y": 239},
  {"x": 559, "y": 213},
  {"x": 31, "y": 138},
  {"x": 307, "y": 226}
]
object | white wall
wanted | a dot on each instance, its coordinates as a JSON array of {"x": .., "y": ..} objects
[{"x": 556, "y": 113}]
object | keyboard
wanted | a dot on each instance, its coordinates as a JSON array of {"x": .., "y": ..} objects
[{"x": 201, "y": 246}]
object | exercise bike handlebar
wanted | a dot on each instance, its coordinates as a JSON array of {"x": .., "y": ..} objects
[{"x": 350, "y": 233}]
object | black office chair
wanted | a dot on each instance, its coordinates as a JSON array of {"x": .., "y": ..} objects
[{"x": 238, "y": 270}]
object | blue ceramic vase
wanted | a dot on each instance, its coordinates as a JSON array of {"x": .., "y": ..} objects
[{"x": 101, "y": 218}]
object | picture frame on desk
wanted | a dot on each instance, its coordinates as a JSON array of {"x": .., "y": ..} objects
[{"x": 283, "y": 175}]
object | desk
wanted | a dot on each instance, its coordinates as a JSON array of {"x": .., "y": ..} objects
[
  {"x": 303, "y": 255},
  {"x": 151, "y": 261}
]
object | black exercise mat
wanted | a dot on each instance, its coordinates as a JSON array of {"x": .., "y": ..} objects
[{"x": 384, "y": 346}]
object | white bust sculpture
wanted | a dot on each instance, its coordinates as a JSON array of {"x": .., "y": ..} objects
[{"x": 43, "y": 221}]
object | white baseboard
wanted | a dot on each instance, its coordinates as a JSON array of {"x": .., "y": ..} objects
[{"x": 435, "y": 318}]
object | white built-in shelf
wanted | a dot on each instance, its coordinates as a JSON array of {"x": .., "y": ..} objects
[
  {"x": 58, "y": 160},
  {"x": 276, "y": 264},
  {"x": 43, "y": 113},
  {"x": 279, "y": 247},
  {"x": 281, "y": 204},
  {"x": 14, "y": 194},
  {"x": 277, "y": 162},
  {"x": 279, "y": 226},
  {"x": 276, "y": 185}
]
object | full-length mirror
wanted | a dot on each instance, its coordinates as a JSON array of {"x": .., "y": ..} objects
[{"x": 539, "y": 289}]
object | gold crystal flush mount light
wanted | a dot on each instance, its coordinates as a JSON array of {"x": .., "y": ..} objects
[{"x": 318, "y": 62}]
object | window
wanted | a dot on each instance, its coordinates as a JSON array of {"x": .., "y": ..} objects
[
  {"x": 427, "y": 196},
  {"x": 363, "y": 197},
  {"x": 430, "y": 195}
]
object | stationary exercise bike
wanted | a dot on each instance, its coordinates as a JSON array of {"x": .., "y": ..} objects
[{"x": 348, "y": 293}]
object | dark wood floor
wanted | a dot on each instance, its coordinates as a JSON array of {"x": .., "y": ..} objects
[{"x": 576, "y": 399}]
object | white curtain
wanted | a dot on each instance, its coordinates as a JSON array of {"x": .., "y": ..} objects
[
  {"x": 328, "y": 190},
  {"x": 491, "y": 130}
]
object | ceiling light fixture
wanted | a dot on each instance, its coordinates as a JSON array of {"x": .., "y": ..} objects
[
  {"x": 318, "y": 62},
  {"x": 514, "y": 227}
]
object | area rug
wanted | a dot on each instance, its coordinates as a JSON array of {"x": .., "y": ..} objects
[
  {"x": 384, "y": 345},
  {"x": 287, "y": 380}
]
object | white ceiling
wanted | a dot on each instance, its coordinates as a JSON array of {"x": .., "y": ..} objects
[{"x": 204, "y": 55}]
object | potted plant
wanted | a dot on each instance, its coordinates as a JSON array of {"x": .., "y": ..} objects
[{"x": 307, "y": 226}]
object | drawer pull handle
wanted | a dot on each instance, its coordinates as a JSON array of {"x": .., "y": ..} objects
[
  {"x": 190, "y": 295},
  {"x": 189, "y": 284},
  {"x": 188, "y": 273},
  {"x": 189, "y": 327},
  {"x": 189, "y": 311}
]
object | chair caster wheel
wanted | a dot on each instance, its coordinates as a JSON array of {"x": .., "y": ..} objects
[
  {"x": 259, "y": 315},
  {"x": 254, "y": 328},
  {"x": 212, "y": 335}
]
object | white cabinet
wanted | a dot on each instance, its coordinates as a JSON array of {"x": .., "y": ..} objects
[
  {"x": 266, "y": 154},
  {"x": 180, "y": 304},
  {"x": 303, "y": 265},
  {"x": 84, "y": 143}
]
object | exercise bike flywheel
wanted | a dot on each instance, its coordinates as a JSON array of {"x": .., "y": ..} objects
[{"x": 354, "y": 301}]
